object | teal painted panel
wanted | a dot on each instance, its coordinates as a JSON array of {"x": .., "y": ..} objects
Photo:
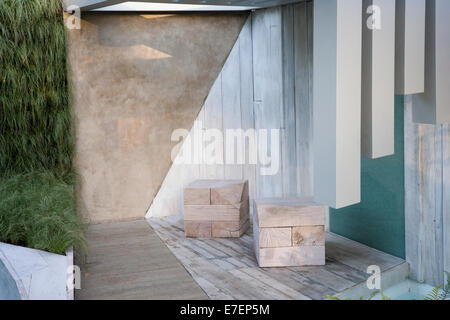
[{"x": 379, "y": 220}]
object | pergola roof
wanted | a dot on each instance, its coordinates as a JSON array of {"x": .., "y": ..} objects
[{"x": 120, "y": 5}]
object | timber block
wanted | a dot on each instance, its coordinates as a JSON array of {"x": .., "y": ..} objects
[
  {"x": 289, "y": 232},
  {"x": 216, "y": 208}
]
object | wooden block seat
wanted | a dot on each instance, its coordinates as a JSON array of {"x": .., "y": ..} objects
[
  {"x": 216, "y": 208},
  {"x": 289, "y": 232}
]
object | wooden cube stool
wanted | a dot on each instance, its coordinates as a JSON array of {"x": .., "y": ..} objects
[
  {"x": 289, "y": 232},
  {"x": 216, "y": 208}
]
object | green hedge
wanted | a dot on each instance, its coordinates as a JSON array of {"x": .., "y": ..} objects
[{"x": 37, "y": 203}]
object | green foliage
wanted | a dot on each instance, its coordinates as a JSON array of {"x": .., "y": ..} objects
[
  {"x": 35, "y": 118},
  {"x": 435, "y": 294},
  {"x": 37, "y": 202},
  {"x": 440, "y": 293},
  {"x": 37, "y": 210}
]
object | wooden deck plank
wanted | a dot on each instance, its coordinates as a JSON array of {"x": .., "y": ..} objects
[
  {"x": 127, "y": 260},
  {"x": 227, "y": 268}
]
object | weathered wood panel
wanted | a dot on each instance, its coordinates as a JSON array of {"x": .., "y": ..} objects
[
  {"x": 260, "y": 87},
  {"x": 227, "y": 268},
  {"x": 268, "y": 95},
  {"x": 426, "y": 198},
  {"x": 303, "y": 57}
]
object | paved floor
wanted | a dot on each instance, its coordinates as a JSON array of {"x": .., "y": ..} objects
[
  {"x": 227, "y": 268},
  {"x": 127, "y": 260}
]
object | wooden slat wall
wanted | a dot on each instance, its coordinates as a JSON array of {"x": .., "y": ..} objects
[
  {"x": 427, "y": 198},
  {"x": 266, "y": 83}
]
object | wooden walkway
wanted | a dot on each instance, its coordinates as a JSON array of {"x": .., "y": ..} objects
[
  {"x": 227, "y": 268},
  {"x": 127, "y": 260}
]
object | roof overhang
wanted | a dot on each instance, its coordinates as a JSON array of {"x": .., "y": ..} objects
[{"x": 90, "y": 5}]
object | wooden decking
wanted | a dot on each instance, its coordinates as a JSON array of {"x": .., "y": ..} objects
[
  {"x": 227, "y": 269},
  {"x": 127, "y": 260}
]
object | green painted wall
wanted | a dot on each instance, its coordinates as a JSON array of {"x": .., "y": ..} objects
[{"x": 379, "y": 220}]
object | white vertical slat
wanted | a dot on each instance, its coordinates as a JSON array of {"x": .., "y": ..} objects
[
  {"x": 289, "y": 150},
  {"x": 246, "y": 80},
  {"x": 303, "y": 97},
  {"x": 410, "y": 46},
  {"x": 267, "y": 66},
  {"x": 231, "y": 102},
  {"x": 378, "y": 78},
  {"x": 337, "y": 101},
  {"x": 213, "y": 120},
  {"x": 433, "y": 106}
]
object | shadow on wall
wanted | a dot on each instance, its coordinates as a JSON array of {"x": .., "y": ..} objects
[{"x": 136, "y": 78}]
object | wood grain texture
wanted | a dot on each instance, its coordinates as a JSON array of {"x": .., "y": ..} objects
[
  {"x": 303, "y": 57},
  {"x": 288, "y": 213},
  {"x": 197, "y": 196},
  {"x": 292, "y": 256},
  {"x": 198, "y": 229},
  {"x": 216, "y": 212},
  {"x": 308, "y": 236},
  {"x": 229, "y": 192},
  {"x": 268, "y": 92},
  {"x": 227, "y": 268},
  {"x": 226, "y": 229},
  {"x": 426, "y": 198},
  {"x": 275, "y": 237},
  {"x": 127, "y": 260}
]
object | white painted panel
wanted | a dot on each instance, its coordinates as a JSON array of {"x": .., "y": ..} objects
[
  {"x": 433, "y": 106},
  {"x": 337, "y": 102},
  {"x": 410, "y": 46},
  {"x": 378, "y": 78}
]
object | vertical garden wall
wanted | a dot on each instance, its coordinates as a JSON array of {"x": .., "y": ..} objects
[{"x": 37, "y": 202}]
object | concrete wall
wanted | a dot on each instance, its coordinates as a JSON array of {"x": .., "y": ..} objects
[{"x": 135, "y": 79}]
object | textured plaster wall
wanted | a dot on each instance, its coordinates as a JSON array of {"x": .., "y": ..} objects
[{"x": 135, "y": 79}]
